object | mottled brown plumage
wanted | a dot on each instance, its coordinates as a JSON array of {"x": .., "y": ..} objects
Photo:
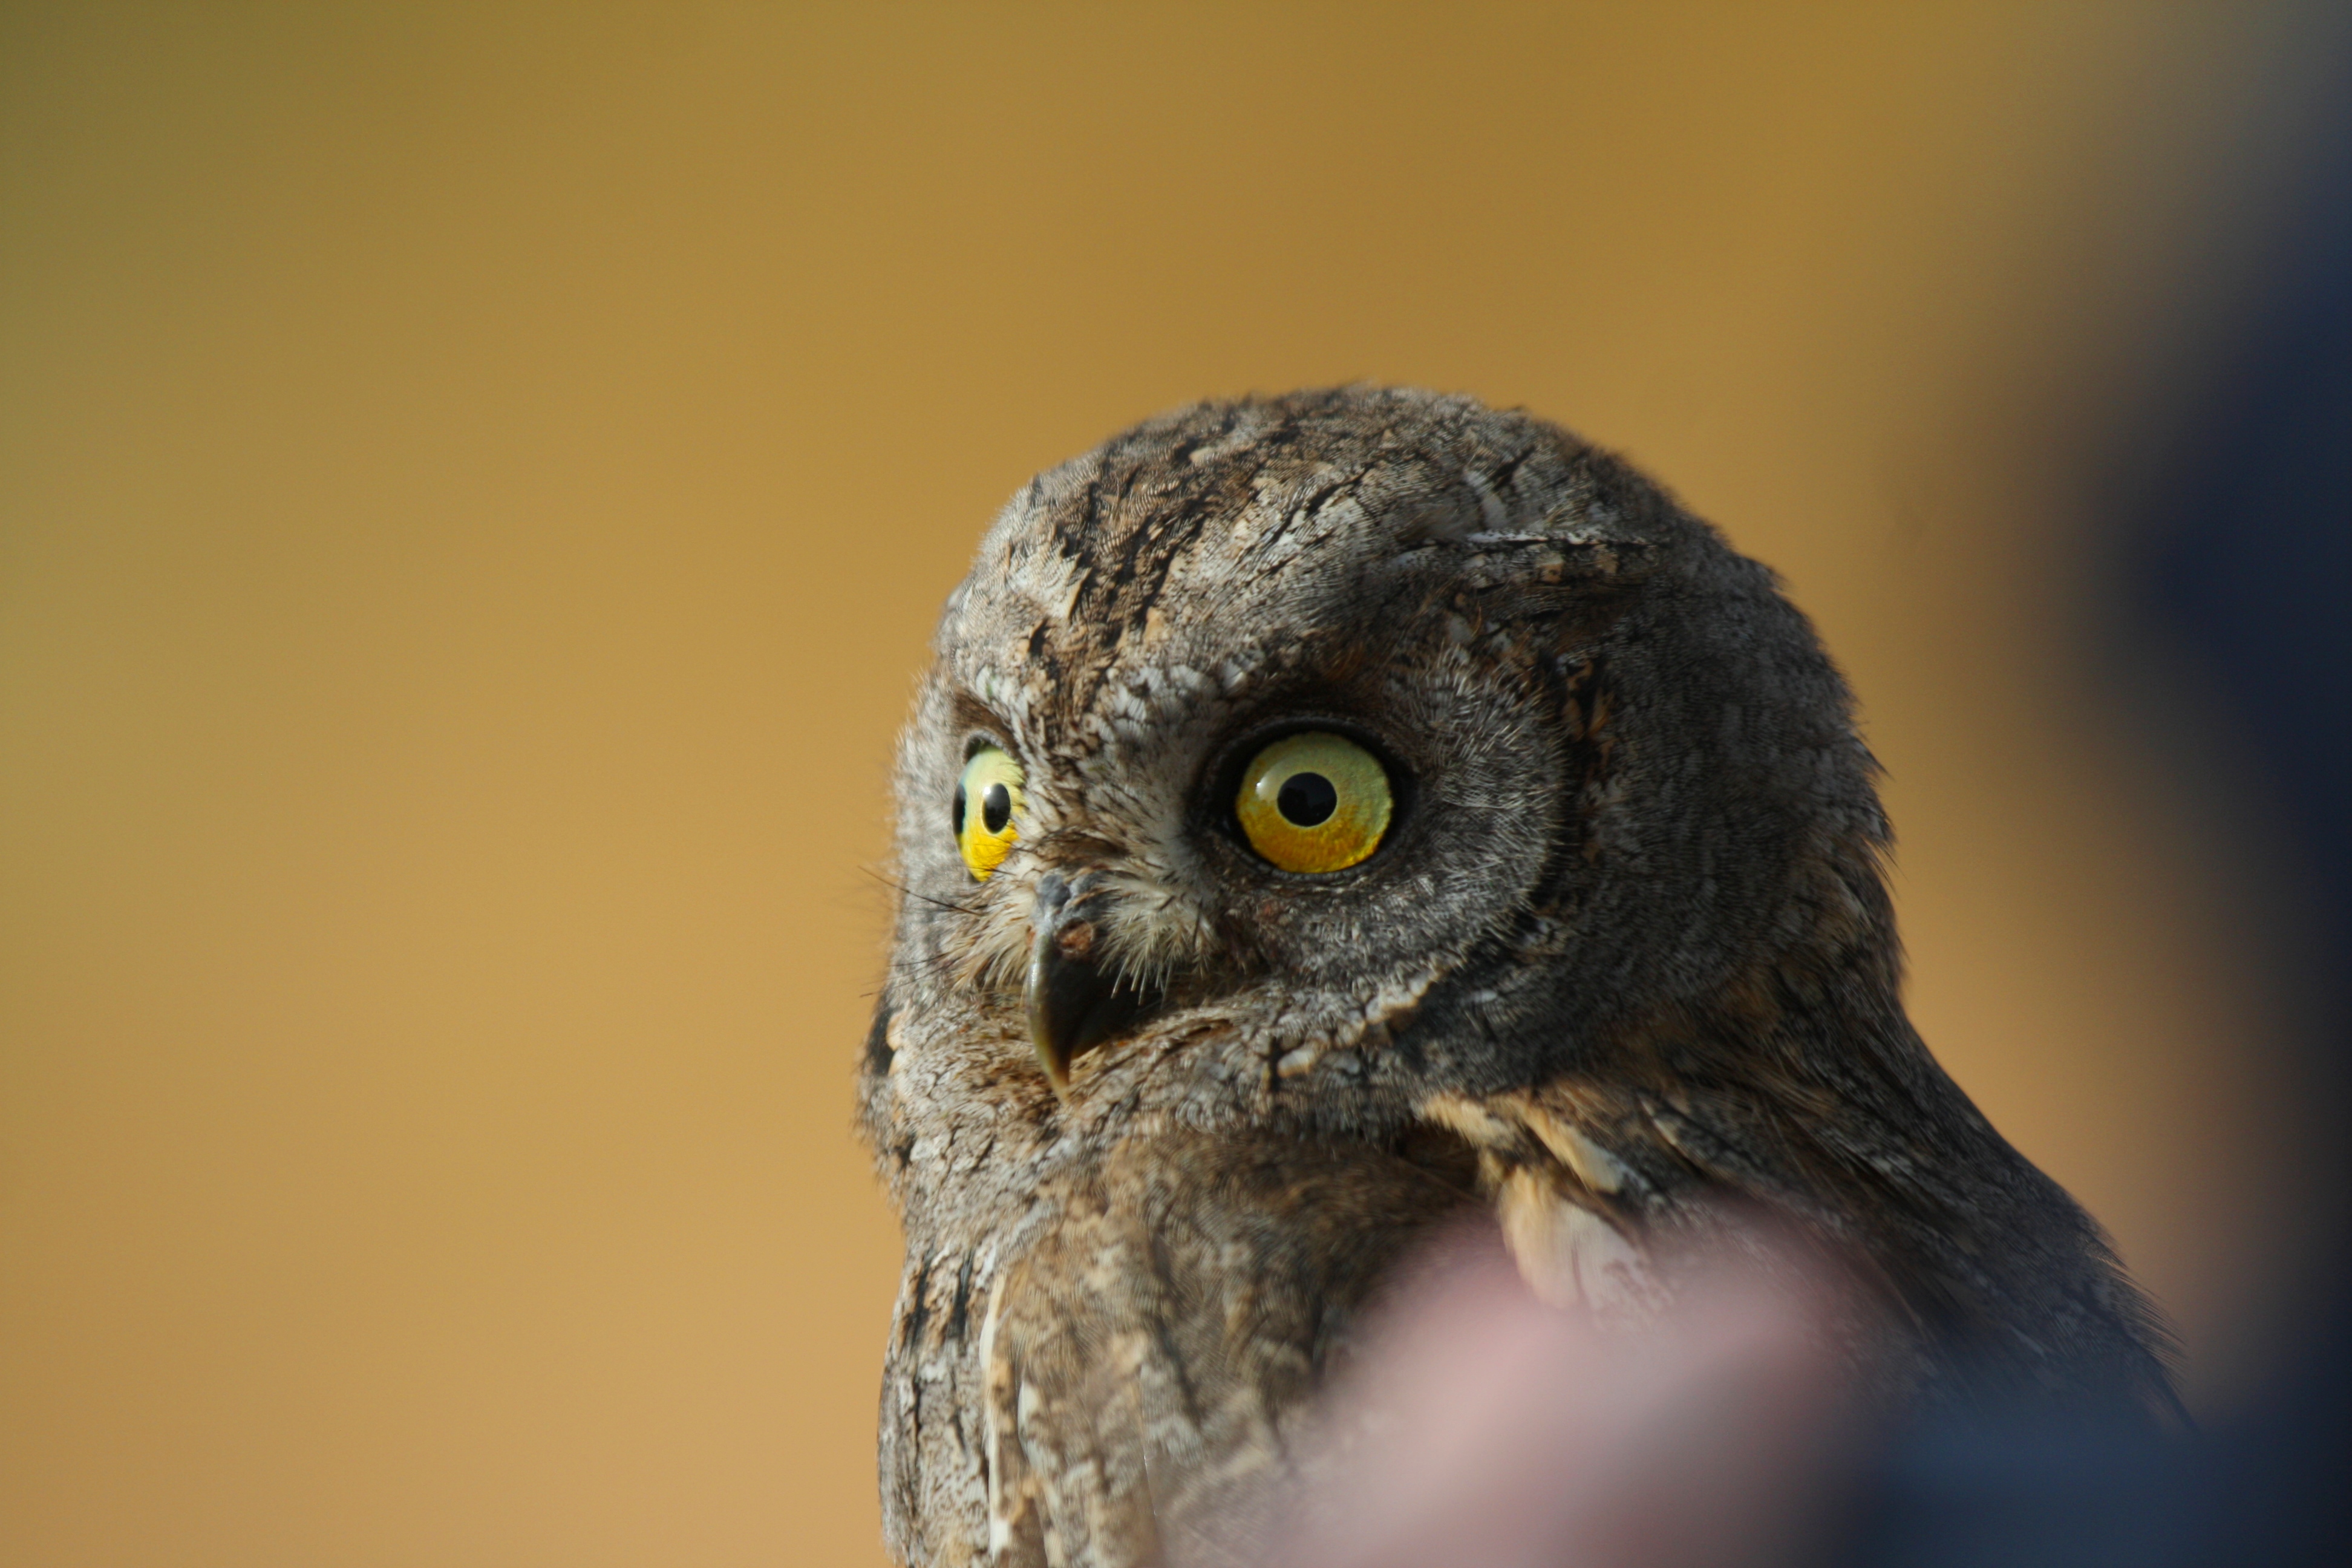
[{"x": 1624, "y": 954}]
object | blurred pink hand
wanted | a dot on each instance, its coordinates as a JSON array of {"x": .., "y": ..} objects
[{"x": 1484, "y": 1429}]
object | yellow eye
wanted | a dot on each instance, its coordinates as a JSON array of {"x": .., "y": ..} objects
[
  {"x": 1314, "y": 802},
  {"x": 987, "y": 800}
]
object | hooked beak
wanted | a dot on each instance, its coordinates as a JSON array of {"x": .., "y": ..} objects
[{"x": 1072, "y": 1003}]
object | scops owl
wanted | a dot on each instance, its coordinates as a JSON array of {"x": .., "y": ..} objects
[{"x": 1328, "y": 814}]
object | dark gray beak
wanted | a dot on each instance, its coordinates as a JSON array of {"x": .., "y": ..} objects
[{"x": 1072, "y": 1003}]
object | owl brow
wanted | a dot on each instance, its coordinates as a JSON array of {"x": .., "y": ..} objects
[{"x": 975, "y": 717}]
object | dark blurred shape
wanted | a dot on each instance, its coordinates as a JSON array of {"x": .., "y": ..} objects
[{"x": 2230, "y": 511}]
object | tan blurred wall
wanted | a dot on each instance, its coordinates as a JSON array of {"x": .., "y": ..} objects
[{"x": 475, "y": 485}]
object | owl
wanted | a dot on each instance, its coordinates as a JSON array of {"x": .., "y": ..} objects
[{"x": 1333, "y": 816}]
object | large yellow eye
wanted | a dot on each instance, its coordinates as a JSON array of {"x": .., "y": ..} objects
[
  {"x": 987, "y": 801},
  {"x": 1314, "y": 802}
]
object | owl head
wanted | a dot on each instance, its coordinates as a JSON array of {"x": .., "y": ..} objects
[{"x": 1310, "y": 757}]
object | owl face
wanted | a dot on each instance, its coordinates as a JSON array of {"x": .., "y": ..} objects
[
  {"x": 1294, "y": 824},
  {"x": 1279, "y": 752}
]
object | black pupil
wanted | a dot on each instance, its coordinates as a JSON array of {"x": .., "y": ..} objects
[
  {"x": 996, "y": 807},
  {"x": 1307, "y": 799}
]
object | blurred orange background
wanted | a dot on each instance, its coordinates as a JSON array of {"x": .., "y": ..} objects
[{"x": 474, "y": 486}]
